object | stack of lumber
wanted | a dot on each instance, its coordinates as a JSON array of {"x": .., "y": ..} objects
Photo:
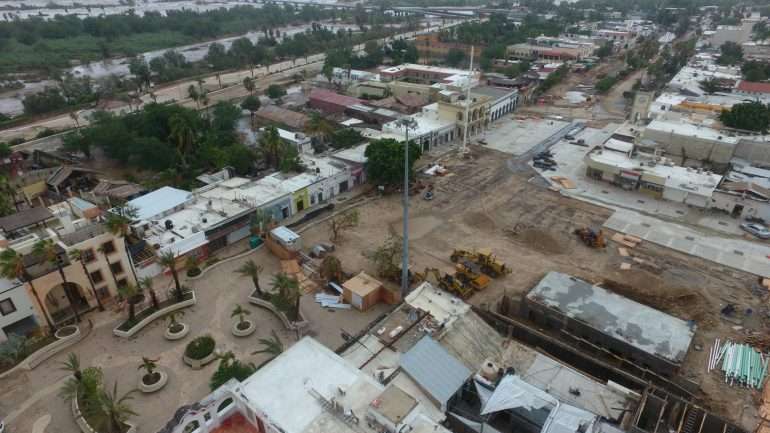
[
  {"x": 626, "y": 240},
  {"x": 564, "y": 182}
]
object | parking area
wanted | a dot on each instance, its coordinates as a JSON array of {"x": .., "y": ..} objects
[{"x": 520, "y": 135}]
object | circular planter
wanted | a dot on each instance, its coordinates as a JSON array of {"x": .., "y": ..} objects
[
  {"x": 66, "y": 331},
  {"x": 197, "y": 364},
  {"x": 194, "y": 272},
  {"x": 171, "y": 336},
  {"x": 162, "y": 380},
  {"x": 244, "y": 332}
]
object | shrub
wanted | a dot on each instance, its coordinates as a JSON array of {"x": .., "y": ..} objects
[
  {"x": 200, "y": 347},
  {"x": 229, "y": 369},
  {"x": 194, "y": 272}
]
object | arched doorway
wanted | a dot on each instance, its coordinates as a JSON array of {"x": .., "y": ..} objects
[{"x": 57, "y": 301}]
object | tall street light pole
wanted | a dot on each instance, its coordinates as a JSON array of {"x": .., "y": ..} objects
[{"x": 408, "y": 123}]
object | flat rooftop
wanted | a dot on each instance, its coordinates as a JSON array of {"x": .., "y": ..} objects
[
  {"x": 644, "y": 328},
  {"x": 283, "y": 389},
  {"x": 159, "y": 201}
]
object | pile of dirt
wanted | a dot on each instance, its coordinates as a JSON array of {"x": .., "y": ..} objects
[
  {"x": 648, "y": 289},
  {"x": 540, "y": 240}
]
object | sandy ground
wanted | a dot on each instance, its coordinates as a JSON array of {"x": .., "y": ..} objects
[{"x": 481, "y": 204}]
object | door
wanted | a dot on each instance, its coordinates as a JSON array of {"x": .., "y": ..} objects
[
  {"x": 343, "y": 186},
  {"x": 357, "y": 301},
  {"x": 285, "y": 212},
  {"x": 737, "y": 210}
]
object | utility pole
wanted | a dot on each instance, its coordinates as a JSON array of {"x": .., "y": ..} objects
[
  {"x": 467, "y": 103},
  {"x": 408, "y": 123}
]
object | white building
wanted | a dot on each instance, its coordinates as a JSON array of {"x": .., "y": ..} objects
[
  {"x": 17, "y": 313},
  {"x": 309, "y": 389}
]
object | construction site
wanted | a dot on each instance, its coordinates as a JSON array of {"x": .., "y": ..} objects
[{"x": 490, "y": 234}]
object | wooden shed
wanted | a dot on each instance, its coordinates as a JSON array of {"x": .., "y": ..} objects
[{"x": 362, "y": 291}]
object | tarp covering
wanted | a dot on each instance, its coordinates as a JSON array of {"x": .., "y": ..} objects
[{"x": 513, "y": 392}]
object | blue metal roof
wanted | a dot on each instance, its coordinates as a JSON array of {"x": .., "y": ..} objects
[{"x": 436, "y": 371}]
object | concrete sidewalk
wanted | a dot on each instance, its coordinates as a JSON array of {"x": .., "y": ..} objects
[{"x": 748, "y": 256}]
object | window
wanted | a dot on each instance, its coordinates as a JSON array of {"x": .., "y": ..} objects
[
  {"x": 7, "y": 307},
  {"x": 108, "y": 247},
  {"x": 117, "y": 267},
  {"x": 103, "y": 292},
  {"x": 96, "y": 276},
  {"x": 88, "y": 255},
  {"x": 122, "y": 282}
]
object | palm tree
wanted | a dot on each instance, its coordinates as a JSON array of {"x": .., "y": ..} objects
[
  {"x": 272, "y": 146},
  {"x": 146, "y": 284},
  {"x": 149, "y": 365},
  {"x": 168, "y": 260},
  {"x": 252, "y": 270},
  {"x": 118, "y": 225},
  {"x": 241, "y": 314},
  {"x": 12, "y": 266},
  {"x": 192, "y": 92},
  {"x": 49, "y": 250},
  {"x": 183, "y": 133},
  {"x": 131, "y": 293},
  {"x": 79, "y": 256},
  {"x": 173, "y": 320},
  {"x": 288, "y": 288},
  {"x": 273, "y": 346},
  {"x": 318, "y": 127},
  {"x": 111, "y": 411},
  {"x": 72, "y": 365},
  {"x": 248, "y": 84}
]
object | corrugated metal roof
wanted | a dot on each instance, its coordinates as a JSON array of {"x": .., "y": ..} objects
[{"x": 434, "y": 369}]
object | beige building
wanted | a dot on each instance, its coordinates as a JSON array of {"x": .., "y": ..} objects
[
  {"x": 74, "y": 226},
  {"x": 453, "y": 106}
]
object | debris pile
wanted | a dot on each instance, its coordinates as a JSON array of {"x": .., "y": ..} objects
[{"x": 741, "y": 364}]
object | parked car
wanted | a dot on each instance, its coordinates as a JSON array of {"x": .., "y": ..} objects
[{"x": 757, "y": 230}]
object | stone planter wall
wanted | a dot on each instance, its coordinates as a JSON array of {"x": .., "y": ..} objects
[
  {"x": 154, "y": 316},
  {"x": 197, "y": 364},
  {"x": 48, "y": 351},
  {"x": 223, "y": 261},
  {"x": 83, "y": 424},
  {"x": 179, "y": 335},
  {"x": 292, "y": 326}
]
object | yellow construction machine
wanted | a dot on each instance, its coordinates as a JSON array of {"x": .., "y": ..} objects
[
  {"x": 470, "y": 274},
  {"x": 485, "y": 259},
  {"x": 447, "y": 282}
]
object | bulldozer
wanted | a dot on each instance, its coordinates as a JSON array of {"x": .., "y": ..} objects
[
  {"x": 447, "y": 282},
  {"x": 484, "y": 258},
  {"x": 469, "y": 273},
  {"x": 591, "y": 238}
]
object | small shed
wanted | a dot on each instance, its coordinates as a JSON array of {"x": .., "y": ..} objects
[{"x": 362, "y": 291}]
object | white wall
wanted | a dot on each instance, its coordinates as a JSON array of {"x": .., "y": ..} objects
[{"x": 24, "y": 308}]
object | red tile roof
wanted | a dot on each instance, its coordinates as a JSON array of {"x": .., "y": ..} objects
[
  {"x": 753, "y": 87},
  {"x": 333, "y": 98}
]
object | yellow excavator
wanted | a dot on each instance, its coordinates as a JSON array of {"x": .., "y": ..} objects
[
  {"x": 470, "y": 273},
  {"x": 484, "y": 258},
  {"x": 446, "y": 282}
]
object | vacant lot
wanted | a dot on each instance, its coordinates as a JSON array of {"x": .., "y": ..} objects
[{"x": 479, "y": 204}]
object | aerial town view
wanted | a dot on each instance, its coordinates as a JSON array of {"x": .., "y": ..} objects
[{"x": 384, "y": 216}]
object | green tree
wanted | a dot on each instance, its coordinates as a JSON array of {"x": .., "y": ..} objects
[
  {"x": 288, "y": 294},
  {"x": 272, "y": 146},
  {"x": 252, "y": 270},
  {"x": 252, "y": 104},
  {"x": 111, "y": 410},
  {"x": 230, "y": 368},
  {"x": 272, "y": 346},
  {"x": 275, "y": 92},
  {"x": 710, "y": 85},
  {"x": 139, "y": 68},
  {"x": 750, "y": 116},
  {"x": 318, "y": 128},
  {"x": 248, "y": 84},
  {"x": 184, "y": 134},
  {"x": 605, "y": 50},
  {"x": 80, "y": 256},
  {"x": 730, "y": 54},
  {"x": 51, "y": 252},
  {"x": 132, "y": 294},
  {"x": 385, "y": 161},
  {"x": 341, "y": 222},
  {"x": 168, "y": 260},
  {"x": 455, "y": 57},
  {"x": 345, "y": 138},
  {"x": 150, "y": 366}
]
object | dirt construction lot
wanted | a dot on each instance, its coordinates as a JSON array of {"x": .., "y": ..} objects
[{"x": 480, "y": 203}]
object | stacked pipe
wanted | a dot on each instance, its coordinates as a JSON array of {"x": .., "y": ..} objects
[{"x": 741, "y": 364}]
